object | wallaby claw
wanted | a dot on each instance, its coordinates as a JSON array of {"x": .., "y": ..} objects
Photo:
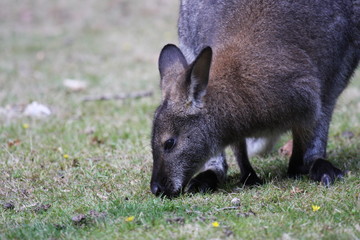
[{"x": 326, "y": 180}]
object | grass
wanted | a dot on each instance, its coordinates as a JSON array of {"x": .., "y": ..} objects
[{"x": 94, "y": 158}]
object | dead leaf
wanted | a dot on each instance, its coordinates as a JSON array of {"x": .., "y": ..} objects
[
  {"x": 25, "y": 192},
  {"x": 97, "y": 141},
  {"x": 205, "y": 218},
  {"x": 79, "y": 219},
  {"x": 59, "y": 226},
  {"x": 103, "y": 197},
  {"x": 38, "y": 110},
  {"x": 178, "y": 220},
  {"x": 9, "y": 206},
  {"x": 41, "y": 208},
  {"x": 296, "y": 190},
  {"x": 286, "y": 150},
  {"x": 348, "y": 134},
  {"x": 89, "y": 130},
  {"x": 75, "y": 85},
  {"x": 27, "y": 207},
  {"x": 82, "y": 219},
  {"x": 95, "y": 214},
  {"x": 235, "y": 202},
  {"x": 75, "y": 163},
  {"x": 228, "y": 232},
  {"x": 227, "y": 208},
  {"x": 247, "y": 214},
  {"x": 14, "y": 143}
]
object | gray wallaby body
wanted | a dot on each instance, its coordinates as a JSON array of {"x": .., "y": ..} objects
[{"x": 248, "y": 69}]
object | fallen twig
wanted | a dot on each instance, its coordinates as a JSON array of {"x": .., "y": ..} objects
[
  {"x": 227, "y": 208},
  {"x": 119, "y": 96}
]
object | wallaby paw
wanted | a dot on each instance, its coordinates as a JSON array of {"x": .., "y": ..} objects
[
  {"x": 326, "y": 173},
  {"x": 204, "y": 182},
  {"x": 250, "y": 179}
]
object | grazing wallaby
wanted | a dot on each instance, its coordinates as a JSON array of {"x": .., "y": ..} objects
[{"x": 251, "y": 68}]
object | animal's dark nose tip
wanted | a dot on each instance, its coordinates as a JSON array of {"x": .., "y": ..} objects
[{"x": 156, "y": 189}]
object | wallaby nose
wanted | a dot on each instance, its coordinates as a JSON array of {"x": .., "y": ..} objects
[{"x": 156, "y": 189}]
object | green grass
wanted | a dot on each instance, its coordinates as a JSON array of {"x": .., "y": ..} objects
[{"x": 114, "y": 46}]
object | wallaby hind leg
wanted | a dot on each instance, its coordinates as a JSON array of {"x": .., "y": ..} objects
[
  {"x": 310, "y": 140},
  {"x": 309, "y": 150},
  {"x": 315, "y": 153},
  {"x": 211, "y": 175},
  {"x": 248, "y": 175},
  {"x": 322, "y": 170},
  {"x": 309, "y": 154}
]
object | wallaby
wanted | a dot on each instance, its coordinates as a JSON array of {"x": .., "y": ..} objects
[{"x": 250, "y": 69}]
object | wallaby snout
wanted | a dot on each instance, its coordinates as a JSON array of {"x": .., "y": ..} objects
[
  {"x": 156, "y": 189},
  {"x": 164, "y": 190}
]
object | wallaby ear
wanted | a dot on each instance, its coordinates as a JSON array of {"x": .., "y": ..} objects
[
  {"x": 199, "y": 77},
  {"x": 171, "y": 61}
]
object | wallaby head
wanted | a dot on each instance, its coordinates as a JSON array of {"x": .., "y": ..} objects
[{"x": 181, "y": 141}]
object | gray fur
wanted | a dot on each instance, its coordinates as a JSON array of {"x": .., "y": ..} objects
[
  {"x": 218, "y": 165},
  {"x": 247, "y": 68}
]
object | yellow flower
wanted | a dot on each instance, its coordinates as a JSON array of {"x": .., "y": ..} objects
[
  {"x": 215, "y": 224},
  {"x": 315, "y": 208},
  {"x": 25, "y": 126},
  {"x": 66, "y": 156},
  {"x": 129, "y": 219}
]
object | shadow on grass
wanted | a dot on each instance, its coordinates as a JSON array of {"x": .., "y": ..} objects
[{"x": 274, "y": 168}]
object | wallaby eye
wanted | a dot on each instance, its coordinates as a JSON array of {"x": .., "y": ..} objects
[{"x": 169, "y": 144}]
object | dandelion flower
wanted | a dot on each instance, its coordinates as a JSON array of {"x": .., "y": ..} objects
[
  {"x": 25, "y": 126},
  {"x": 66, "y": 156},
  {"x": 215, "y": 224},
  {"x": 129, "y": 219},
  {"x": 315, "y": 208}
]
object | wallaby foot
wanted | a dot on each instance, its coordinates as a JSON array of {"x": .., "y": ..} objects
[
  {"x": 250, "y": 179},
  {"x": 326, "y": 173},
  {"x": 204, "y": 182}
]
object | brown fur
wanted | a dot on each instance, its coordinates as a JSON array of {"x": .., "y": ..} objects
[{"x": 271, "y": 66}]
